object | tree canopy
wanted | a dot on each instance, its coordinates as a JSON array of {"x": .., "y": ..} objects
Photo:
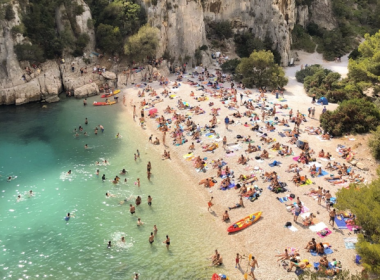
[
  {"x": 143, "y": 44},
  {"x": 260, "y": 69},
  {"x": 366, "y": 68},
  {"x": 364, "y": 202},
  {"x": 352, "y": 116}
]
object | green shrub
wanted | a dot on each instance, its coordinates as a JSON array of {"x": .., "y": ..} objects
[
  {"x": 374, "y": 143},
  {"x": 352, "y": 116},
  {"x": 230, "y": 65},
  {"x": 78, "y": 10},
  {"x": 223, "y": 29},
  {"x": 246, "y": 43},
  {"x": 307, "y": 71},
  {"x": 18, "y": 29},
  {"x": 30, "y": 53},
  {"x": 203, "y": 48},
  {"x": 9, "y": 13},
  {"x": 302, "y": 40},
  {"x": 90, "y": 23}
]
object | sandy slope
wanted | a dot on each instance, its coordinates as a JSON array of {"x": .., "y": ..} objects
[{"x": 268, "y": 236}]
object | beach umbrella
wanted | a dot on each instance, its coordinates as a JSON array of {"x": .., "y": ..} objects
[{"x": 152, "y": 111}]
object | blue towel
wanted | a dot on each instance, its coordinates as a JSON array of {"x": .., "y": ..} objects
[
  {"x": 299, "y": 271},
  {"x": 328, "y": 251},
  {"x": 340, "y": 223},
  {"x": 281, "y": 200},
  {"x": 324, "y": 173},
  {"x": 316, "y": 265},
  {"x": 282, "y": 134},
  {"x": 285, "y": 198},
  {"x": 349, "y": 245}
]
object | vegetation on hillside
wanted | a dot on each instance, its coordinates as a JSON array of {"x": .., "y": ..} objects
[
  {"x": 143, "y": 44},
  {"x": 364, "y": 202}
]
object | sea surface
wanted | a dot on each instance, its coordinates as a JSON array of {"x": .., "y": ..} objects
[{"x": 38, "y": 145}]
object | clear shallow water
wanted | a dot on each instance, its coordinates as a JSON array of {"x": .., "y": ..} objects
[{"x": 38, "y": 146}]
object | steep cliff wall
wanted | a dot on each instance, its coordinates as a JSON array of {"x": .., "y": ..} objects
[
  {"x": 45, "y": 83},
  {"x": 182, "y": 30}
]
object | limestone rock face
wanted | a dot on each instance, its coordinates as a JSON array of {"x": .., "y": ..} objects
[
  {"x": 86, "y": 90},
  {"x": 109, "y": 75},
  {"x": 321, "y": 14}
]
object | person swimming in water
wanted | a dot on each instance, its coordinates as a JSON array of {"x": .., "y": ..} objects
[
  {"x": 31, "y": 193},
  {"x": 85, "y": 146},
  {"x": 104, "y": 177},
  {"x": 139, "y": 222},
  {"x": 151, "y": 238},
  {"x": 123, "y": 239},
  {"x": 18, "y": 198},
  {"x": 109, "y": 195},
  {"x": 167, "y": 242},
  {"x": 69, "y": 172},
  {"x": 67, "y": 218},
  {"x": 109, "y": 245},
  {"x": 155, "y": 229},
  {"x": 123, "y": 172},
  {"x": 97, "y": 172}
]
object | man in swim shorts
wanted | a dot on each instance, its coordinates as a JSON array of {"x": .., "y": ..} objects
[
  {"x": 150, "y": 200},
  {"x": 253, "y": 265},
  {"x": 151, "y": 238},
  {"x": 131, "y": 209}
]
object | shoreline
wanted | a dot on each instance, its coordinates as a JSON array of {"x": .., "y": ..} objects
[{"x": 258, "y": 239}]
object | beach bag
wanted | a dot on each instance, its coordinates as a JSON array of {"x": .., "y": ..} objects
[
  {"x": 292, "y": 195},
  {"x": 288, "y": 224},
  {"x": 323, "y": 232},
  {"x": 257, "y": 157}
]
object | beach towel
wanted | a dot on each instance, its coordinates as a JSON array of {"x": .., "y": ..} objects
[
  {"x": 327, "y": 251},
  {"x": 308, "y": 182},
  {"x": 296, "y": 158},
  {"x": 274, "y": 163},
  {"x": 293, "y": 228},
  {"x": 324, "y": 173},
  {"x": 323, "y": 236},
  {"x": 349, "y": 243},
  {"x": 299, "y": 271},
  {"x": 340, "y": 222},
  {"x": 229, "y": 187},
  {"x": 281, "y": 134},
  {"x": 318, "y": 227}
]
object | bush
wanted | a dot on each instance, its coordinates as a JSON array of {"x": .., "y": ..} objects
[
  {"x": 374, "y": 143},
  {"x": 222, "y": 29},
  {"x": 78, "y": 10},
  {"x": 307, "y": 71},
  {"x": 90, "y": 23},
  {"x": 203, "y": 48},
  {"x": 246, "y": 43},
  {"x": 9, "y": 13},
  {"x": 198, "y": 56},
  {"x": 31, "y": 53},
  {"x": 230, "y": 65},
  {"x": 352, "y": 116},
  {"x": 302, "y": 40},
  {"x": 18, "y": 29}
]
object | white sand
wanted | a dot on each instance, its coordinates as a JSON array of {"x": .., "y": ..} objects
[{"x": 268, "y": 236}]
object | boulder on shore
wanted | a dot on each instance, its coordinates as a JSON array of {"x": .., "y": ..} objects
[
  {"x": 109, "y": 75},
  {"x": 86, "y": 90}
]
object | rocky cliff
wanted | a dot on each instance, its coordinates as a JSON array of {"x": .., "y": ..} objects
[{"x": 182, "y": 25}]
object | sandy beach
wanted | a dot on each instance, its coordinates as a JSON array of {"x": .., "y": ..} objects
[{"x": 268, "y": 236}]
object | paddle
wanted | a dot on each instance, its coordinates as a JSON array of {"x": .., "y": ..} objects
[{"x": 246, "y": 273}]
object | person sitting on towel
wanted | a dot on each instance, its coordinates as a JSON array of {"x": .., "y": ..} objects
[{"x": 238, "y": 205}]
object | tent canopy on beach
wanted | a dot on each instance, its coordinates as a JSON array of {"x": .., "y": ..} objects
[{"x": 323, "y": 100}]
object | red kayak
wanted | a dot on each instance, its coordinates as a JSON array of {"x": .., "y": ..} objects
[
  {"x": 103, "y": 103},
  {"x": 217, "y": 277},
  {"x": 245, "y": 222}
]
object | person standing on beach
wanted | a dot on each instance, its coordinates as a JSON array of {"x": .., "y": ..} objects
[
  {"x": 150, "y": 138},
  {"x": 312, "y": 112},
  {"x": 241, "y": 98},
  {"x": 148, "y": 175},
  {"x": 134, "y": 112},
  {"x": 290, "y": 113},
  {"x": 149, "y": 166},
  {"x": 297, "y": 211},
  {"x": 167, "y": 242},
  {"x": 319, "y": 192},
  {"x": 138, "y": 182},
  {"x": 332, "y": 215},
  {"x": 237, "y": 260},
  {"x": 163, "y": 138},
  {"x": 226, "y": 121},
  {"x": 210, "y": 204},
  {"x": 138, "y": 153},
  {"x": 151, "y": 238},
  {"x": 224, "y": 141},
  {"x": 253, "y": 265}
]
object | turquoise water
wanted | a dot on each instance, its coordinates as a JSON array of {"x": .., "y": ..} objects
[{"x": 38, "y": 146}]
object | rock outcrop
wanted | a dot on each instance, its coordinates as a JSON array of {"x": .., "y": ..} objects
[{"x": 86, "y": 90}]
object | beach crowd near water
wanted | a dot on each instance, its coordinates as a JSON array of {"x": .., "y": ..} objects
[{"x": 246, "y": 151}]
